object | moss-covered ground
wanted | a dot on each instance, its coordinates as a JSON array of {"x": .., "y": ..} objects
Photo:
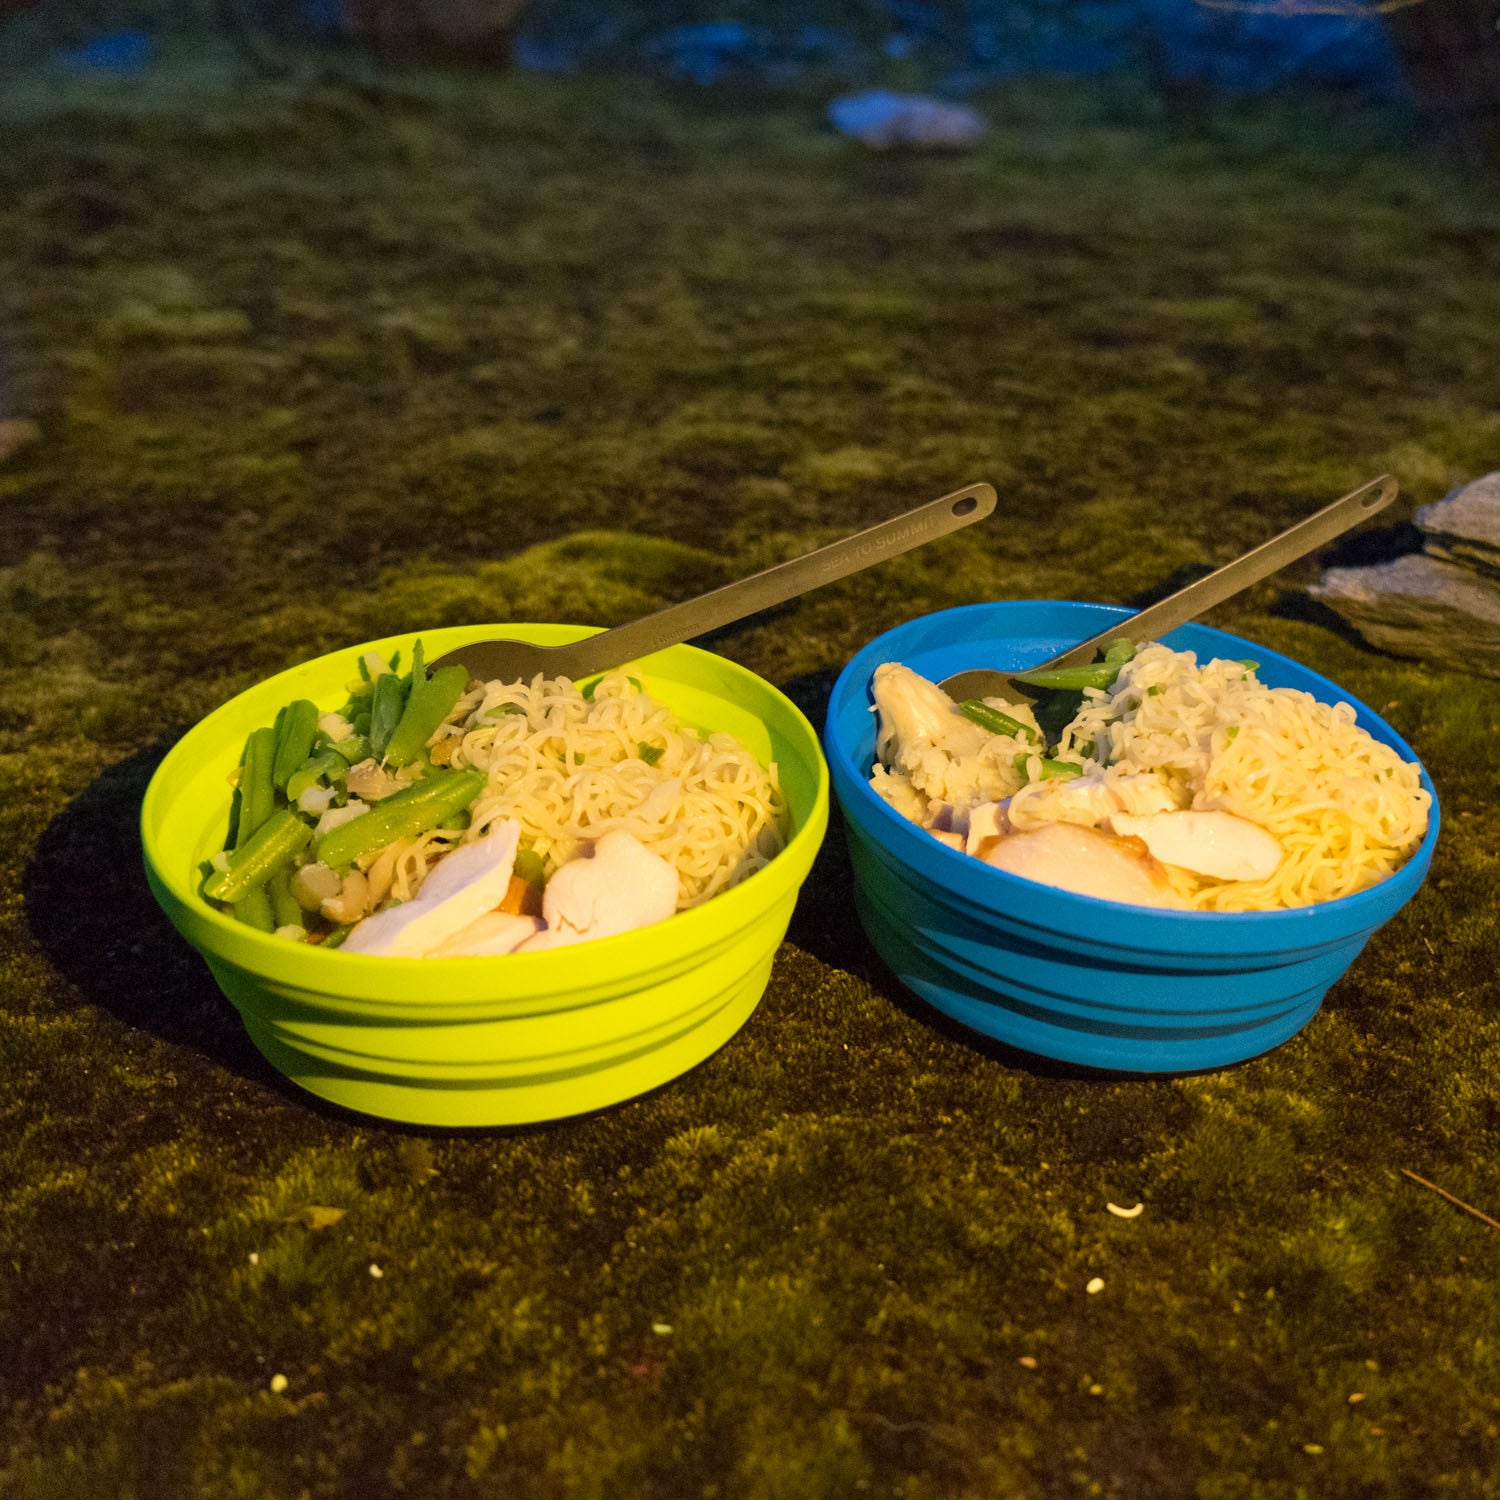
[{"x": 313, "y": 363}]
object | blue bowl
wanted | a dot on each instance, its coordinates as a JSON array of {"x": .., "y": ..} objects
[{"x": 1070, "y": 977}]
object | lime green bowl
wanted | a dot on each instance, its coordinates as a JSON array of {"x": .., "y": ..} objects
[{"x": 502, "y": 1040}]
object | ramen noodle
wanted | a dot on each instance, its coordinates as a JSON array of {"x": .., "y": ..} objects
[
  {"x": 572, "y": 768},
  {"x": 343, "y": 820},
  {"x": 1170, "y": 736}
]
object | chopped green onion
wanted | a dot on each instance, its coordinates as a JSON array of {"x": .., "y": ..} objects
[
  {"x": 650, "y": 753},
  {"x": 1052, "y": 770}
]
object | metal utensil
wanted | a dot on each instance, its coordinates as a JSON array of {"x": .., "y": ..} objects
[
  {"x": 509, "y": 660},
  {"x": 1177, "y": 609}
]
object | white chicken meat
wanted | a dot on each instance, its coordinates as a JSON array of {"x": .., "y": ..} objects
[
  {"x": 928, "y": 747},
  {"x": 1221, "y": 845},
  {"x": 618, "y": 888},
  {"x": 1084, "y": 860},
  {"x": 461, "y": 888}
]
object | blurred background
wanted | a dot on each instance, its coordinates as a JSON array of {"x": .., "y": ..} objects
[{"x": 1440, "y": 57}]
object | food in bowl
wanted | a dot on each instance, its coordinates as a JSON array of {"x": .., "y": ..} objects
[
  {"x": 1166, "y": 782},
  {"x": 431, "y": 816}
]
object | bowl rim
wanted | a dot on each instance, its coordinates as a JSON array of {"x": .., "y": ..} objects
[
  {"x": 852, "y": 782},
  {"x": 613, "y": 960}
]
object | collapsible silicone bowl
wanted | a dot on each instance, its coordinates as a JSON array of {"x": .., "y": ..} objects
[
  {"x": 503, "y": 1040},
  {"x": 1096, "y": 983}
]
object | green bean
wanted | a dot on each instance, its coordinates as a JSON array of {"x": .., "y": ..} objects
[
  {"x": 411, "y": 811},
  {"x": 353, "y": 750},
  {"x": 1099, "y": 674},
  {"x": 257, "y": 790},
  {"x": 326, "y": 763},
  {"x": 284, "y": 905},
  {"x": 297, "y": 725},
  {"x": 254, "y": 910},
  {"x": 385, "y": 711},
  {"x": 993, "y": 720},
  {"x": 271, "y": 847},
  {"x": 430, "y": 701},
  {"x": 1052, "y": 770}
]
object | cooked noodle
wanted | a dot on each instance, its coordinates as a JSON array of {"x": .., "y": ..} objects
[
  {"x": 572, "y": 769},
  {"x": 1347, "y": 809}
]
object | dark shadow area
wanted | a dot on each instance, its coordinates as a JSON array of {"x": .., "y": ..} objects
[
  {"x": 121, "y": 953},
  {"x": 1163, "y": 588},
  {"x": 1294, "y": 604},
  {"x": 1365, "y": 548},
  {"x": 1359, "y": 549},
  {"x": 824, "y": 923}
]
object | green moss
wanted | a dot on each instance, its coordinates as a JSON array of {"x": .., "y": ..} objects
[{"x": 474, "y": 349}]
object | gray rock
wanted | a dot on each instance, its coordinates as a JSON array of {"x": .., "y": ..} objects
[
  {"x": 1422, "y": 607},
  {"x": 1465, "y": 525}
]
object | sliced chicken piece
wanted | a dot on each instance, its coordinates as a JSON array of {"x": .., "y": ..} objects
[
  {"x": 494, "y": 932},
  {"x": 915, "y": 713},
  {"x": 618, "y": 888},
  {"x": 1218, "y": 844},
  {"x": 1086, "y": 861},
  {"x": 462, "y": 887},
  {"x": 952, "y": 840},
  {"x": 1093, "y": 800},
  {"x": 987, "y": 822}
]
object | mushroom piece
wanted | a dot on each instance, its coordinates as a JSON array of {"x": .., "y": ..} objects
[
  {"x": 1221, "y": 845},
  {"x": 460, "y": 889},
  {"x": 1084, "y": 860},
  {"x": 352, "y": 900},
  {"x": 618, "y": 888},
  {"x": 371, "y": 781}
]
